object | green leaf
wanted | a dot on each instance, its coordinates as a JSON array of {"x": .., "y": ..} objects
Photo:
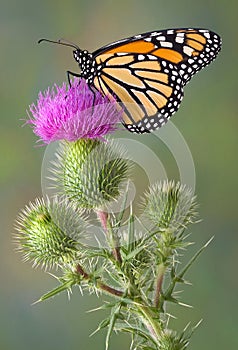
[
  {"x": 192, "y": 260},
  {"x": 135, "y": 330},
  {"x": 64, "y": 286},
  {"x": 103, "y": 307},
  {"x": 179, "y": 277},
  {"x": 114, "y": 315},
  {"x": 131, "y": 230},
  {"x": 104, "y": 323}
]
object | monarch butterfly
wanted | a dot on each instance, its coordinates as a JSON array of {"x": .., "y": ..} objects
[{"x": 147, "y": 72}]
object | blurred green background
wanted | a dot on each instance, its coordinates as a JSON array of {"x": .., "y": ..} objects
[{"x": 207, "y": 119}]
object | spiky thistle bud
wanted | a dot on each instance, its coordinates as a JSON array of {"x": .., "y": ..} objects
[
  {"x": 90, "y": 172},
  {"x": 49, "y": 233},
  {"x": 170, "y": 206},
  {"x": 171, "y": 340}
]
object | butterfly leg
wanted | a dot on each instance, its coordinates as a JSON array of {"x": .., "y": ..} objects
[
  {"x": 69, "y": 73},
  {"x": 93, "y": 92}
]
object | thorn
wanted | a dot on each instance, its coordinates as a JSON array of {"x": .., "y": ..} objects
[
  {"x": 36, "y": 302},
  {"x": 209, "y": 241},
  {"x": 186, "y": 305}
]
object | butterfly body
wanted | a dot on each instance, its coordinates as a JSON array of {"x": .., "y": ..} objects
[{"x": 147, "y": 72}]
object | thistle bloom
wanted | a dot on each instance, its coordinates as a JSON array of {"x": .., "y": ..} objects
[{"x": 72, "y": 113}]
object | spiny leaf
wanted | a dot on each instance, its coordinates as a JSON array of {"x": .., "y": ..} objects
[
  {"x": 179, "y": 277},
  {"x": 64, "y": 286},
  {"x": 135, "y": 330},
  {"x": 114, "y": 315},
  {"x": 104, "y": 323},
  {"x": 192, "y": 260}
]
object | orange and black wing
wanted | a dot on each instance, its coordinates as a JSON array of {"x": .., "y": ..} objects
[{"x": 147, "y": 72}]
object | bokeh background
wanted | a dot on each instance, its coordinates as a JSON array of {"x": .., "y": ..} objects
[{"x": 207, "y": 119}]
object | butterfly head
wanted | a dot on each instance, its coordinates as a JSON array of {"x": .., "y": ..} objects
[{"x": 78, "y": 56}]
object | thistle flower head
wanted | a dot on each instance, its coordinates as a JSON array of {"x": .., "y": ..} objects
[
  {"x": 170, "y": 206},
  {"x": 49, "y": 233},
  {"x": 73, "y": 113}
]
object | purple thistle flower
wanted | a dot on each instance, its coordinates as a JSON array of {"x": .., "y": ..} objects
[{"x": 72, "y": 113}]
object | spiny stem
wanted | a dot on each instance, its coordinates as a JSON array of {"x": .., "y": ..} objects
[
  {"x": 100, "y": 285},
  {"x": 103, "y": 217},
  {"x": 81, "y": 272},
  {"x": 159, "y": 282},
  {"x": 109, "y": 289}
]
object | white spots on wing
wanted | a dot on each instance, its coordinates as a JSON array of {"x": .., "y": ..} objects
[
  {"x": 161, "y": 38},
  {"x": 170, "y": 31},
  {"x": 186, "y": 76},
  {"x": 188, "y": 50},
  {"x": 166, "y": 44},
  {"x": 141, "y": 57},
  {"x": 122, "y": 53},
  {"x": 179, "y": 39},
  {"x": 155, "y": 33},
  {"x": 152, "y": 57},
  {"x": 207, "y": 35}
]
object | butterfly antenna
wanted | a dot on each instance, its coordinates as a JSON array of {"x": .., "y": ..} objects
[{"x": 60, "y": 42}]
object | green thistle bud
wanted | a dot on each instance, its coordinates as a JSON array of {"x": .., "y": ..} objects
[
  {"x": 48, "y": 233},
  {"x": 170, "y": 340},
  {"x": 170, "y": 206},
  {"x": 90, "y": 172}
]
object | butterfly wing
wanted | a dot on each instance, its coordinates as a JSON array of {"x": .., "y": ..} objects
[
  {"x": 149, "y": 89},
  {"x": 147, "y": 72}
]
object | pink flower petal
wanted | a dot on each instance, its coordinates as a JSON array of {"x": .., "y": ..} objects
[{"x": 73, "y": 113}]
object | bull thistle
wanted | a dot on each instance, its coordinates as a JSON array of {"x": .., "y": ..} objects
[{"x": 90, "y": 172}]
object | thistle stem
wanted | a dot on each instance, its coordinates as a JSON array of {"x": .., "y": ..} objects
[
  {"x": 100, "y": 285},
  {"x": 159, "y": 282},
  {"x": 113, "y": 240},
  {"x": 109, "y": 290}
]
